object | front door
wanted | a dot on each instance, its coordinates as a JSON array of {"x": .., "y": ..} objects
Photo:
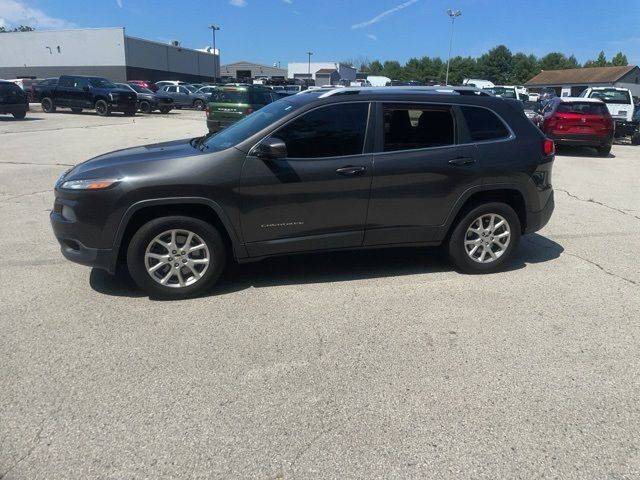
[
  {"x": 421, "y": 170},
  {"x": 316, "y": 198}
]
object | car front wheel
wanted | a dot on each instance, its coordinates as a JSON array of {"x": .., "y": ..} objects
[
  {"x": 102, "y": 108},
  {"x": 485, "y": 238},
  {"x": 176, "y": 257},
  {"x": 47, "y": 105}
]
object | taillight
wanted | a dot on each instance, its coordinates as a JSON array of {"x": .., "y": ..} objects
[{"x": 548, "y": 147}]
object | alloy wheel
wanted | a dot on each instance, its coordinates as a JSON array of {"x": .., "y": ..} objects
[
  {"x": 487, "y": 238},
  {"x": 177, "y": 258}
]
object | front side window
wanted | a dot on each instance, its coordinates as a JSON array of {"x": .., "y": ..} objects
[
  {"x": 66, "y": 82},
  {"x": 97, "y": 82},
  {"x": 484, "y": 124},
  {"x": 410, "y": 127},
  {"x": 332, "y": 131}
]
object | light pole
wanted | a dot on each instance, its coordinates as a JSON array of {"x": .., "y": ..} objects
[
  {"x": 453, "y": 14},
  {"x": 309, "y": 54},
  {"x": 214, "y": 28}
]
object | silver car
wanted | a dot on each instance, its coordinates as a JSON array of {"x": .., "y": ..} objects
[{"x": 185, "y": 96}]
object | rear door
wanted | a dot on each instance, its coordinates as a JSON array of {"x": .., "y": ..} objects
[
  {"x": 64, "y": 91},
  {"x": 316, "y": 198},
  {"x": 420, "y": 171},
  {"x": 228, "y": 105}
]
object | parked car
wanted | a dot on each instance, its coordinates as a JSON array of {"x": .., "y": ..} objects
[
  {"x": 531, "y": 109},
  {"x": 25, "y": 84},
  {"x": 547, "y": 94},
  {"x": 183, "y": 97},
  {"x": 13, "y": 100},
  {"x": 507, "y": 91},
  {"x": 91, "y": 93},
  {"x": 619, "y": 102},
  {"x": 534, "y": 97},
  {"x": 314, "y": 172},
  {"x": 144, "y": 84},
  {"x": 39, "y": 86},
  {"x": 149, "y": 101},
  {"x": 231, "y": 103},
  {"x": 164, "y": 83},
  {"x": 577, "y": 121}
]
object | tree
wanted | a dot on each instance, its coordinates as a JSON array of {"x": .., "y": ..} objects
[
  {"x": 496, "y": 65},
  {"x": 557, "y": 61},
  {"x": 461, "y": 68},
  {"x": 21, "y": 28},
  {"x": 392, "y": 69},
  {"x": 375, "y": 68},
  {"x": 619, "y": 60},
  {"x": 525, "y": 67}
]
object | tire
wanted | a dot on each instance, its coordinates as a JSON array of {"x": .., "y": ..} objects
[
  {"x": 604, "y": 151},
  {"x": 165, "y": 109},
  {"x": 145, "y": 107},
  {"x": 198, "y": 104},
  {"x": 635, "y": 139},
  {"x": 47, "y": 105},
  {"x": 461, "y": 253},
  {"x": 20, "y": 115},
  {"x": 102, "y": 108},
  {"x": 76, "y": 110},
  {"x": 145, "y": 242}
]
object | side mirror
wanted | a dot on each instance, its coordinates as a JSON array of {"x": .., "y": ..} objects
[{"x": 270, "y": 149}]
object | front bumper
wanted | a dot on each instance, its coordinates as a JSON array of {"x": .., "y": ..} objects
[
  {"x": 76, "y": 251},
  {"x": 537, "y": 220},
  {"x": 625, "y": 128}
]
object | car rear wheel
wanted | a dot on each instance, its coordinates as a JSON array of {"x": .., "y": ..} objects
[
  {"x": 604, "y": 151},
  {"x": 19, "y": 115},
  {"x": 198, "y": 104},
  {"x": 102, "y": 108},
  {"x": 145, "y": 107},
  {"x": 176, "y": 257},
  {"x": 47, "y": 105},
  {"x": 485, "y": 238}
]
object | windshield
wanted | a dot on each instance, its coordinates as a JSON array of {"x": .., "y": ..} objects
[
  {"x": 582, "y": 108},
  {"x": 612, "y": 96},
  {"x": 503, "y": 92},
  {"x": 191, "y": 88},
  {"x": 249, "y": 125},
  {"x": 97, "y": 82},
  {"x": 233, "y": 96}
]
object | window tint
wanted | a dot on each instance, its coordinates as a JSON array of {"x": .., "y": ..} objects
[
  {"x": 612, "y": 96},
  {"x": 484, "y": 124},
  {"x": 583, "y": 108},
  {"x": 260, "y": 98},
  {"x": 408, "y": 127},
  {"x": 172, "y": 89},
  {"x": 230, "y": 96},
  {"x": 66, "y": 81},
  {"x": 9, "y": 88},
  {"x": 331, "y": 131}
]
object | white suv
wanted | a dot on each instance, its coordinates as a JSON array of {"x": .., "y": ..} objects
[{"x": 620, "y": 104}]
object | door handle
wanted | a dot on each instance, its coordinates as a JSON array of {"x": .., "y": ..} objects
[
  {"x": 351, "y": 170},
  {"x": 461, "y": 161}
]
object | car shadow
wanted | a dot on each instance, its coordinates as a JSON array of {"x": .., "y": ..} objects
[
  {"x": 563, "y": 151},
  {"x": 331, "y": 267},
  {"x": 25, "y": 119}
]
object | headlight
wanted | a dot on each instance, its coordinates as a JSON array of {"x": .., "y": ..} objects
[{"x": 93, "y": 184}]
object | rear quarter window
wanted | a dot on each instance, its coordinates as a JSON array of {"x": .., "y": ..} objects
[
  {"x": 484, "y": 125},
  {"x": 230, "y": 97}
]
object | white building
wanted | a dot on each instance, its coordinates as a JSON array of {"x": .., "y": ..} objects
[{"x": 104, "y": 52}]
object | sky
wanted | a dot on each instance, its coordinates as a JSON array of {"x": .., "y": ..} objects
[{"x": 272, "y": 31}]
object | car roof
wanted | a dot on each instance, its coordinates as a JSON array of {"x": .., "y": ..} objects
[{"x": 578, "y": 99}]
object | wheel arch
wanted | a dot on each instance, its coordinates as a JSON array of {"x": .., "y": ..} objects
[{"x": 201, "y": 208}]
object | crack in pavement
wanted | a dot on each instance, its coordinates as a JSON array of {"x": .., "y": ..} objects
[
  {"x": 305, "y": 448},
  {"x": 624, "y": 212},
  {"x": 35, "y": 442},
  {"x": 562, "y": 251}
]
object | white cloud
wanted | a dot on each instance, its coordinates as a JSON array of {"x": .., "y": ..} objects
[
  {"x": 378, "y": 18},
  {"x": 372, "y": 36},
  {"x": 119, "y": 2},
  {"x": 17, "y": 12},
  {"x": 238, "y": 3}
]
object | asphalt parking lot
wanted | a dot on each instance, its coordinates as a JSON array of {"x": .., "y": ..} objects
[{"x": 384, "y": 364}]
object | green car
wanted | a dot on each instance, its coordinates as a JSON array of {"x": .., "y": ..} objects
[{"x": 230, "y": 103}]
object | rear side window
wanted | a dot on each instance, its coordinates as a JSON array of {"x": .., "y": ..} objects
[
  {"x": 6, "y": 88},
  {"x": 332, "y": 131},
  {"x": 260, "y": 98},
  {"x": 410, "y": 127},
  {"x": 583, "y": 108},
  {"x": 66, "y": 82},
  {"x": 483, "y": 124}
]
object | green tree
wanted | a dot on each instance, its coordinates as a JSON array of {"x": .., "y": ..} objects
[
  {"x": 497, "y": 65},
  {"x": 558, "y": 61},
  {"x": 619, "y": 60},
  {"x": 392, "y": 69},
  {"x": 375, "y": 68},
  {"x": 525, "y": 67},
  {"x": 461, "y": 68},
  {"x": 21, "y": 28}
]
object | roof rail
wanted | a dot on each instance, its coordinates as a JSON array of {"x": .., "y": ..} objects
[{"x": 451, "y": 90}]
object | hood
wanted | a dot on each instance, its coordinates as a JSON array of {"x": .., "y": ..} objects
[{"x": 123, "y": 162}]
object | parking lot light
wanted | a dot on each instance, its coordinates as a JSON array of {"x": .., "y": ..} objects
[{"x": 453, "y": 14}]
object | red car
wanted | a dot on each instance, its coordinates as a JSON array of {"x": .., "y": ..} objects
[
  {"x": 577, "y": 121},
  {"x": 145, "y": 84}
]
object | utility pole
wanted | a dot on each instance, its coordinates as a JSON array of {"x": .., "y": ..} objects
[
  {"x": 309, "y": 54},
  {"x": 215, "y": 28},
  {"x": 453, "y": 14}
]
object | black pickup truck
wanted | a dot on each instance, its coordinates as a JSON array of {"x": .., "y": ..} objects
[{"x": 88, "y": 93}]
